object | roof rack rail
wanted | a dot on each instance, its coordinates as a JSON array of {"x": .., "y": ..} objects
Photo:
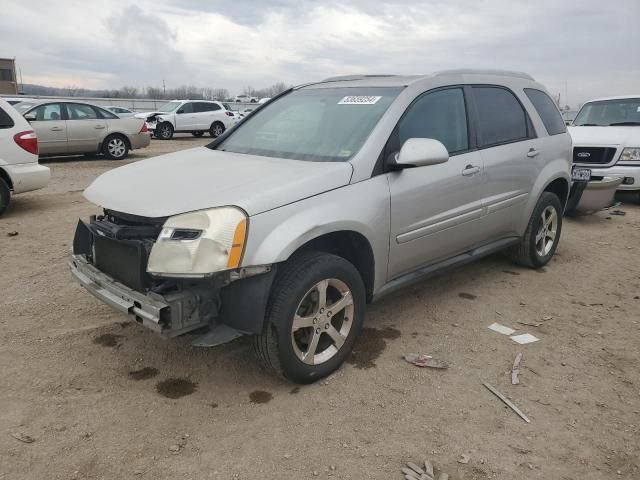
[
  {"x": 340, "y": 78},
  {"x": 479, "y": 71}
]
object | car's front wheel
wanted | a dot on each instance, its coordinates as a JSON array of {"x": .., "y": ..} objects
[
  {"x": 315, "y": 314},
  {"x": 164, "y": 131},
  {"x": 541, "y": 238},
  {"x": 115, "y": 147}
]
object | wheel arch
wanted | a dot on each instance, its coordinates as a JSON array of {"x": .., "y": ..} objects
[
  {"x": 117, "y": 133},
  {"x": 4, "y": 175},
  {"x": 560, "y": 187}
]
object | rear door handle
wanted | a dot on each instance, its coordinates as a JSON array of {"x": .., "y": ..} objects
[
  {"x": 533, "y": 153},
  {"x": 470, "y": 170},
  {"x": 56, "y": 129},
  {"x": 99, "y": 127}
]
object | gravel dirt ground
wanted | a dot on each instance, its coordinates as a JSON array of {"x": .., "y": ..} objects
[{"x": 85, "y": 394}]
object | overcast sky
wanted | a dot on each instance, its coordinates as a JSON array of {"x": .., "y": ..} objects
[{"x": 591, "y": 46}]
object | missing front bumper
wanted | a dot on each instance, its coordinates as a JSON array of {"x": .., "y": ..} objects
[{"x": 170, "y": 315}]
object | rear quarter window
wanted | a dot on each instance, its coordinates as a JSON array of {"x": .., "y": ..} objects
[
  {"x": 5, "y": 119},
  {"x": 549, "y": 113}
]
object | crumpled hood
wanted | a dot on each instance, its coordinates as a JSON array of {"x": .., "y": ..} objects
[
  {"x": 625, "y": 136},
  {"x": 201, "y": 178},
  {"x": 146, "y": 114}
]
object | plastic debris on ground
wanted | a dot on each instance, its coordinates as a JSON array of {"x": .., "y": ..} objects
[
  {"x": 524, "y": 338},
  {"x": 425, "y": 361},
  {"x": 496, "y": 327},
  {"x": 414, "y": 472}
]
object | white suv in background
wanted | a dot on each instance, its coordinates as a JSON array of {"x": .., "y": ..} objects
[
  {"x": 190, "y": 116},
  {"x": 606, "y": 139},
  {"x": 19, "y": 168}
]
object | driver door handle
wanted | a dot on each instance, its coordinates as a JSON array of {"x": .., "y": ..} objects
[
  {"x": 99, "y": 127},
  {"x": 470, "y": 170},
  {"x": 56, "y": 129},
  {"x": 533, "y": 153}
]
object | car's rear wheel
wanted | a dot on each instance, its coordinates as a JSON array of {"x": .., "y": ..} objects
[
  {"x": 315, "y": 314},
  {"x": 115, "y": 147},
  {"x": 5, "y": 196},
  {"x": 541, "y": 238},
  {"x": 197, "y": 134},
  {"x": 164, "y": 131},
  {"x": 217, "y": 129}
]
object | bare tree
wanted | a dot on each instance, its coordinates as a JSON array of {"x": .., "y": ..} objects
[{"x": 73, "y": 90}]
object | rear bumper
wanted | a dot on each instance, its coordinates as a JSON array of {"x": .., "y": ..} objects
[
  {"x": 28, "y": 176},
  {"x": 140, "y": 140},
  {"x": 627, "y": 172}
]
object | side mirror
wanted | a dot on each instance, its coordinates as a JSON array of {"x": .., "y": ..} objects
[
  {"x": 180, "y": 111},
  {"x": 30, "y": 117},
  {"x": 421, "y": 152}
]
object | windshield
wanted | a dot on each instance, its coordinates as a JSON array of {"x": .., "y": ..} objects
[
  {"x": 316, "y": 124},
  {"x": 169, "y": 107},
  {"x": 607, "y": 113},
  {"x": 22, "y": 107}
]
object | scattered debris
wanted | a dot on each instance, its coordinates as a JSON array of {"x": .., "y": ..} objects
[
  {"x": 496, "y": 327},
  {"x": 546, "y": 318},
  {"x": 524, "y": 338},
  {"x": 425, "y": 361},
  {"x": 515, "y": 370},
  {"x": 620, "y": 213},
  {"x": 523, "y": 451},
  {"x": 12, "y": 233},
  {"x": 507, "y": 402},
  {"x": 23, "y": 437},
  {"x": 464, "y": 459},
  {"x": 468, "y": 296},
  {"x": 529, "y": 324},
  {"x": 413, "y": 472}
]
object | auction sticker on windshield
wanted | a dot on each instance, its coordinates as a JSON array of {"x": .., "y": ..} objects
[{"x": 359, "y": 100}]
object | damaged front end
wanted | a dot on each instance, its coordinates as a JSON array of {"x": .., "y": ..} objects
[{"x": 110, "y": 259}]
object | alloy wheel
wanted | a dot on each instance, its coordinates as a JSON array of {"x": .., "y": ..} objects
[
  {"x": 547, "y": 231},
  {"x": 116, "y": 147},
  {"x": 322, "y": 321}
]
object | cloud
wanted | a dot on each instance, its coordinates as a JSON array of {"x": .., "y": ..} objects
[{"x": 585, "y": 45}]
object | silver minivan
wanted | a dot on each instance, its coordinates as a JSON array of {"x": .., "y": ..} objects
[{"x": 330, "y": 196}]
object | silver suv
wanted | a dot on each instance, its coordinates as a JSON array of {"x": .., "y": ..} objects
[{"x": 328, "y": 197}]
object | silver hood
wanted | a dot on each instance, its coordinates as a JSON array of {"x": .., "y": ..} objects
[{"x": 201, "y": 178}]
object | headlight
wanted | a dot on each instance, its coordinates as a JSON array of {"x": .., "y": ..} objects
[
  {"x": 630, "y": 154},
  {"x": 197, "y": 244}
]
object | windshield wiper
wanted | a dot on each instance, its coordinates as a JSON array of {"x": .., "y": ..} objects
[{"x": 622, "y": 124}]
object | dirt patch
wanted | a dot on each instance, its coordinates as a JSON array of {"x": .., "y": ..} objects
[
  {"x": 176, "y": 387},
  {"x": 260, "y": 396},
  {"x": 108, "y": 340},
  {"x": 294, "y": 390},
  {"x": 467, "y": 296},
  {"x": 370, "y": 346},
  {"x": 213, "y": 405},
  {"x": 510, "y": 272},
  {"x": 143, "y": 374}
]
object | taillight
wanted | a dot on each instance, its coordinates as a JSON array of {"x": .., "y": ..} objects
[
  {"x": 27, "y": 141},
  {"x": 144, "y": 128},
  {"x": 228, "y": 114}
]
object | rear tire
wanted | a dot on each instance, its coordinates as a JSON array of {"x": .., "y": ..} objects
[
  {"x": 308, "y": 334},
  {"x": 5, "y": 196},
  {"x": 541, "y": 238},
  {"x": 115, "y": 147},
  {"x": 164, "y": 131},
  {"x": 216, "y": 129}
]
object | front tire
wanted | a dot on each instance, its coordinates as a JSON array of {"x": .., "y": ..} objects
[
  {"x": 5, "y": 196},
  {"x": 541, "y": 238},
  {"x": 315, "y": 313},
  {"x": 164, "y": 131},
  {"x": 115, "y": 147}
]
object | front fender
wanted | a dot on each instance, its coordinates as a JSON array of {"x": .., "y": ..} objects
[{"x": 362, "y": 207}]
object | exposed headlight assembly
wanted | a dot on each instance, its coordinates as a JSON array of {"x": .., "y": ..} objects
[
  {"x": 630, "y": 154},
  {"x": 198, "y": 244}
]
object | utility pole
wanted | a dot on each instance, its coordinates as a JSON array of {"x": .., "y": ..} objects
[{"x": 164, "y": 89}]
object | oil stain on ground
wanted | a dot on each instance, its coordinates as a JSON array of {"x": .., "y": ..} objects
[
  {"x": 260, "y": 396},
  {"x": 108, "y": 340},
  {"x": 370, "y": 346},
  {"x": 143, "y": 374},
  {"x": 468, "y": 296},
  {"x": 176, "y": 387}
]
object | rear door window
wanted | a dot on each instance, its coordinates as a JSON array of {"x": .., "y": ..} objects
[
  {"x": 79, "y": 111},
  {"x": 549, "y": 113},
  {"x": 206, "y": 107},
  {"x": 501, "y": 117},
  {"x": 5, "y": 120}
]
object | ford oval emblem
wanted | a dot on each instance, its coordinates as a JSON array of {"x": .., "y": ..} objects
[{"x": 584, "y": 155}]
